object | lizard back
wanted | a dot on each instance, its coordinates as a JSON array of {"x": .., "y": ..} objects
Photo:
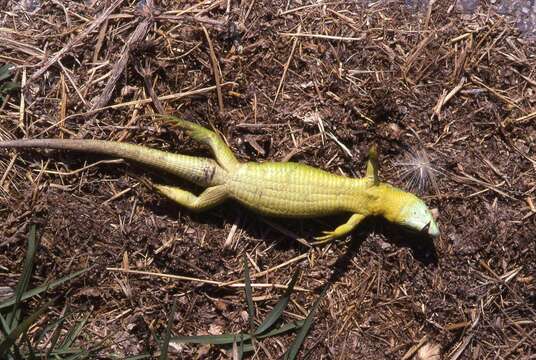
[{"x": 294, "y": 189}]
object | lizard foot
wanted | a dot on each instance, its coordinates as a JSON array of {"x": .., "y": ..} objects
[
  {"x": 327, "y": 237},
  {"x": 195, "y": 131},
  {"x": 221, "y": 151},
  {"x": 341, "y": 230}
]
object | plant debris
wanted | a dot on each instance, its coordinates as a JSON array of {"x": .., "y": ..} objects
[{"x": 308, "y": 81}]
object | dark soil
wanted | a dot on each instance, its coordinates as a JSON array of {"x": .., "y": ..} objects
[{"x": 447, "y": 91}]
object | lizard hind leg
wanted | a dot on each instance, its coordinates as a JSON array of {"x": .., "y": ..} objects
[
  {"x": 224, "y": 156},
  {"x": 209, "y": 198}
]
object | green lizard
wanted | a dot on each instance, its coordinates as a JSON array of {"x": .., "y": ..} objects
[{"x": 271, "y": 188}]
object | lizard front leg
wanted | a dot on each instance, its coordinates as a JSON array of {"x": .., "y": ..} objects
[
  {"x": 211, "y": 197},
  {"x": 341, "y": 230},
  {"x": 224, "y": 156}
]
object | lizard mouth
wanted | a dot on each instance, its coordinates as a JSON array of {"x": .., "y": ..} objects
[
  {"x": 426, "y": 228},
  {"x": 430, "y": 229}
]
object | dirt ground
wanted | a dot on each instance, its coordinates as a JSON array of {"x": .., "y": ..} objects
[{"x": 446, "y": 90}]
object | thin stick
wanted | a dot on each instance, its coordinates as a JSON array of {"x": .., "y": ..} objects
[
  {"x": 9, "y": 167},
  {"x": 414, "y": 348},
  {"x": 289, "y": 11},
  {"x": 495, "y": 92},
  {"x": 188, "y": 10},
  {"x": 286, "y": 232},
  {"x": 521, "y": 119},
  {"x": 349, "y": 21},
  {"x": 256, "y": 275},
  {"x": 215, "y": 69},
  {"x": 204, "y": 281},
  {"x": 22, "y": 107},
  {"x": 119, "y": 194},
  {"x": 326, "y": 37},
  {"x": 100, "y": 41},
  {"x": 63, "y": 103},
  {"x": 73, "y": 83},
  {"x": 285, "y": 69},
  {"x": 74, "y": 172},
  {"x": 229, "y": 241},
  {"x": 445, "y": 98},
  {"x": 146, "y": 72}
]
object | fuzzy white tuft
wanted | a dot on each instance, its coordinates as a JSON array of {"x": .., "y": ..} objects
[
  {"x": 417, "y": 171},
  {"x": 430, "y": 351}
]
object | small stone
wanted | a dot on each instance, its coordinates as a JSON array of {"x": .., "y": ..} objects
[
  {"x": 220, "y": 306},
  {"x": 215, "y": 329}
]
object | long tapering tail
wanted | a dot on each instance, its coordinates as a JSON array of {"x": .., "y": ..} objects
[{"x": 201, "y": 171}]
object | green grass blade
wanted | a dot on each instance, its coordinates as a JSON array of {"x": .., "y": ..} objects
[
  {"x": 9, "y": 86},
  {"x": 5, "y": 72},
  {"x": 78, "y": 354},
  {"x": 22, "y": 285},
  {"x": 241, "y": 348},
  {"x": 15, "y": 353},
  {"x": 224, "y": 339},
  {"x": 228, "y": 339},
  {"x": 249, "y": 294},
  {"x": 74, "y": 351},
  {"x": 4, "y": 327},
  {"x": 57, "y": 325},
  {"x": 282, "y": 329},
  {"x": 45, "y": 330},
  {"x": 167, "y": 335},
  {"x": 22, "y": 327},
  {"x": 38, "y": 290},
  {"x": 302, "y": 334},
  {"x": 72, "y": 334},
  {"x": 278, "y": 309},
  {"x": 246, "y": 348},
  {"x": 67, "y": 354},
  {"x": 237, "y": 351},
  {"x": 30, "y": 355}
]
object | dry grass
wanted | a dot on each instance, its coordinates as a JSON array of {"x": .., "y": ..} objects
[{"x": 302, "y": 81}]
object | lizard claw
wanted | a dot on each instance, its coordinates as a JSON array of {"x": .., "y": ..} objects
[{"x": 327, "y": 237}]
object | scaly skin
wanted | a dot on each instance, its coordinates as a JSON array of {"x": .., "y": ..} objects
[{"x": 275, "y": 189}]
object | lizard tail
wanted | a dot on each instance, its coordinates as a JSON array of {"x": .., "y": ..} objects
[{"x": 201, "y": 171}]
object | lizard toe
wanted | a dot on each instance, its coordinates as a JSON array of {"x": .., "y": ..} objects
[{"x": 329, "y": 236}]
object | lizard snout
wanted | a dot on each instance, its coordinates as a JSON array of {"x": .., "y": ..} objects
[{"x": 431, "y": 229}]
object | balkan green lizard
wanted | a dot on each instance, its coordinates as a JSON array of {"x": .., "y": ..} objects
[{"x": 272, "y": 188}]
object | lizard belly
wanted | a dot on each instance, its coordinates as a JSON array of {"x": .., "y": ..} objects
[{"x": 290, "y": 190}]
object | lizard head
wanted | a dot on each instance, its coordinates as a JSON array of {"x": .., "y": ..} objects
[
  {"x": 406, "y": 209},
  {"x": 418, "y": 217},
  {"x": 396, "y": 205}
]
